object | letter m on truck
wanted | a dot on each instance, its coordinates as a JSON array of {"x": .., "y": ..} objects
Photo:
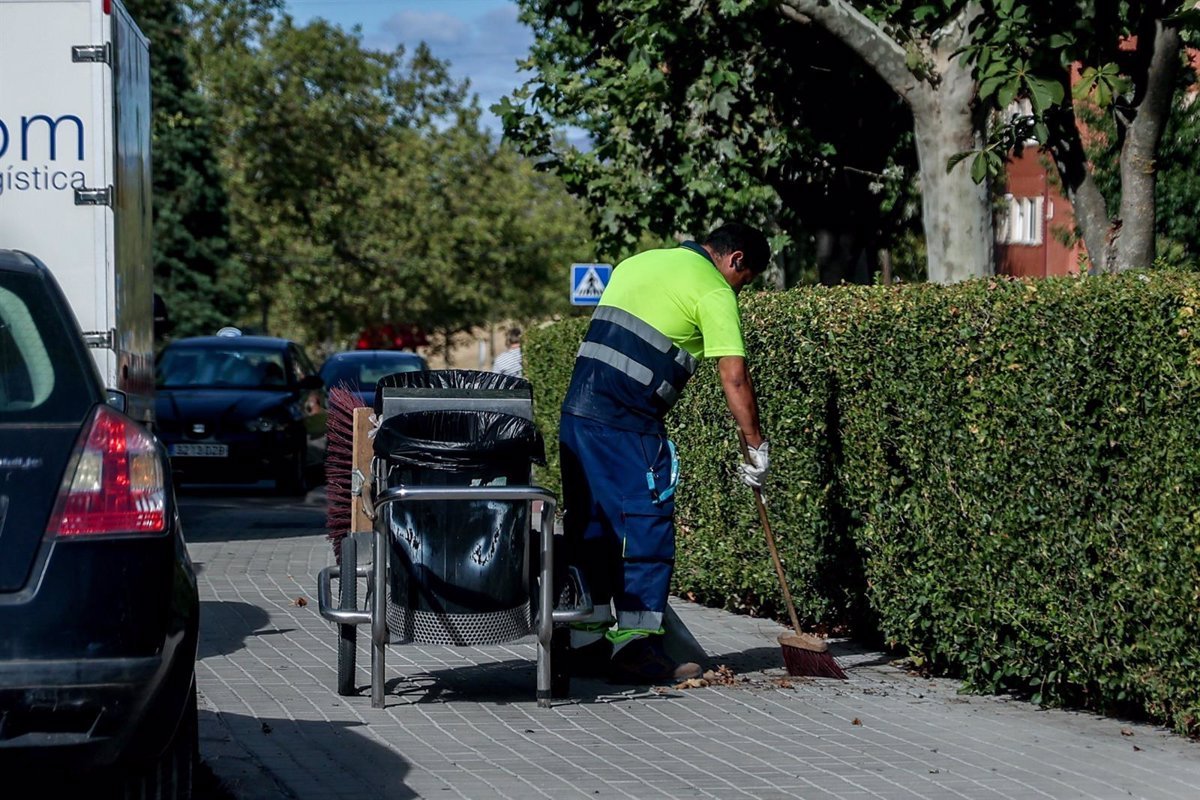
[{"x": 75, "y": 172}]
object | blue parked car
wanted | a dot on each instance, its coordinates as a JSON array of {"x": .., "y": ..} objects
[{"x": 360, "y": 370}]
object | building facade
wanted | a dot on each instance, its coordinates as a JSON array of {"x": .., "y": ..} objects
[{"x": 1035, "y": 224}]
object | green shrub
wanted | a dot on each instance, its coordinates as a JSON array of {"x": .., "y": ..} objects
[
  {"x": 999, "y": 477},
  {"x": 548, "y": 355}
]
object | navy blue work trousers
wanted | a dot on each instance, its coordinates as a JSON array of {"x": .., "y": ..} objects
[{"x": 619, "y": 516}]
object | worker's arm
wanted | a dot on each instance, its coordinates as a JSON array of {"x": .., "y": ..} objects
[{"x": 739, "y": 394}]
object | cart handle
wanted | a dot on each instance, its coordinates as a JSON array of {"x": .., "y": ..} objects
[
  {"x": 514, "y": 493},
  {"x": 325, "y": 607}
]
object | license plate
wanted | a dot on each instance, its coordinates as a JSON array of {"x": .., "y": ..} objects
[{"x": 202, "y": 450}]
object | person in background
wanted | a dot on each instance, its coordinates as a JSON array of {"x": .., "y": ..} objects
[{"x": 509, "y": 362}]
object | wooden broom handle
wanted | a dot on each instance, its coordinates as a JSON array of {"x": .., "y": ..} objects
[{"x": 766, "y": 526}]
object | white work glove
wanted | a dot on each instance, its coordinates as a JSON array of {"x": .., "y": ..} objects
[{"x": 754, "y": 472}]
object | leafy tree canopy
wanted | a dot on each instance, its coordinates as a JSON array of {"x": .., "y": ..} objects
[
  {"x": 712, "y": 86},
  {"x": 1098, "y": 80},
  {"x": 364, "y": 189},
  {"x": 200, "y": 282},
  {"x": 703, "y": 112}
]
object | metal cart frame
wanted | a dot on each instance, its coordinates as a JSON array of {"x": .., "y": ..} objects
[
  {"x": 549, "y": 684},
  {"x": 346, "y": 614}
]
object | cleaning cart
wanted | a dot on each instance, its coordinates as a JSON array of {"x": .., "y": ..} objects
[{"x": 443, "y": 477}]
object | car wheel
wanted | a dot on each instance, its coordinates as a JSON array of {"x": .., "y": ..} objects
[
  {"x": 170, "y": 776},
  {"x": 292, "y": 478},
  {"x": 316, "y": 474},
  {"x": 348, "y": 634}
]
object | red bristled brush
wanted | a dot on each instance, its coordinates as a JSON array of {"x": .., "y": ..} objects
[{"x": 339, "y": 459}]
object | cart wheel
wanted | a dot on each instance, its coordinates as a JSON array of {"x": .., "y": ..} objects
[
  {"x": 560, "y": 665},
  {"x": 348, "y": 634}
]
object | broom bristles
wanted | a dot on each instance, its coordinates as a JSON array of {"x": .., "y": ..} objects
[
  {"x": 806, "y": 655},
  {"x": 339, "y": 459}
]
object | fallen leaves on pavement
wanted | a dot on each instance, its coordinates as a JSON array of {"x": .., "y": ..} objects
[{"x": 721, "y": 676}]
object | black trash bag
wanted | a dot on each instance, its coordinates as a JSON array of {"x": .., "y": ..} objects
[
  {"x": 460, "y": 569},
  {"x": 451, "y": 379},
  {"x": 459, "y": 441}
]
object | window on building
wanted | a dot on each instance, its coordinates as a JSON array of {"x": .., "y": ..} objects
[{"x": 1024, "y": 221}]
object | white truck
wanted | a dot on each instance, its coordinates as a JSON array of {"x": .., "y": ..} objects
[{"x": 75, "y": 172}]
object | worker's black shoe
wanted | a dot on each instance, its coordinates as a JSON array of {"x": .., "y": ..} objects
[
  {"x": 645, "y": 661},
  {"x": 590, "y": 661}
]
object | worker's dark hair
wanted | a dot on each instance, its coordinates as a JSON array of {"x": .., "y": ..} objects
[
  {"x": 736, "y": 236},
  {"x": 513, "y": 337}
]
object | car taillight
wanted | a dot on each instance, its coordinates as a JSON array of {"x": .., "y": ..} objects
[{"x": 117, "y": 486}]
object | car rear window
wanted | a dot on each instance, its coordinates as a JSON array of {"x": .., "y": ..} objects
[
  {"x": 41, "y": 376},
  {"x": 367, "y": 373},
  {"x": 220, "y": 367}
]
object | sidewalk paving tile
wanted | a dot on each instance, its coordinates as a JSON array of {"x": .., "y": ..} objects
[{"x": 462, "y": 722}]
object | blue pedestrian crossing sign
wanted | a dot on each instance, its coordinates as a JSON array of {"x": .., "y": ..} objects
[{"x": 588, "y": 282}]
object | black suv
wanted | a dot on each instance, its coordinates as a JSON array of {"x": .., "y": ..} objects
[{"x": 98, "y": 601}]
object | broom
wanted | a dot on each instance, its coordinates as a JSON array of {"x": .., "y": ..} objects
[
  {"x": 339, "y": 459},
  {"x": 803, "y": 653}
]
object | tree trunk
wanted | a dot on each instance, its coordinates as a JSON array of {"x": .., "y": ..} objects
[
  {"x": 1135, "y": 246},
  {"x": 1126, "y": 241},
  {"x": 842, "y": 257},
  {"x": 956, "y": 212}
]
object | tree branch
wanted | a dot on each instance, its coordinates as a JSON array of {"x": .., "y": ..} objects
[
  {"x": 795, "y": 15},
  {"x": 881, "y": 52},
  {"x": 1091, "y": 213}
]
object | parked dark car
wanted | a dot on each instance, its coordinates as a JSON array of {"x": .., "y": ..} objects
[
  {"x": 360, "y": 370},
  {"x": 240, "y": 409},
  {"x": 98, "y": 601}
]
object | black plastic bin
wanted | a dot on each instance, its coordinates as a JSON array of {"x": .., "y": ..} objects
[{"x": 460, "y": 570}]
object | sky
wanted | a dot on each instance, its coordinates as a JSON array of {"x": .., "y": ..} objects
[{"x": 481, "y": 39}]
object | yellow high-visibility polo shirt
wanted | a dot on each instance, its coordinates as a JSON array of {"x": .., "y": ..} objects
[{"x": 680, "y": 293}]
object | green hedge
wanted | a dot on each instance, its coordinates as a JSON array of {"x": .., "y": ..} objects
[{"x": 1001, "y": 478}]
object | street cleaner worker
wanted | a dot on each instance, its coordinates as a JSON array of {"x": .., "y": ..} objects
[{"x": 661, "y": 311}]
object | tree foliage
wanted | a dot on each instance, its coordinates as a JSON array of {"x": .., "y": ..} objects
[
  {"x": 702, "y": 112},
  {"x": 364, "y": 188},
  {"x": 1099, "y": 80},
  {"x": 1178, "y": 188},
  {"x": 954, "y": 63},
  {"x": 771, "y": 103},
  {"x": 200, "y": 282},
  {"x": 1126, "y": 53}
]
